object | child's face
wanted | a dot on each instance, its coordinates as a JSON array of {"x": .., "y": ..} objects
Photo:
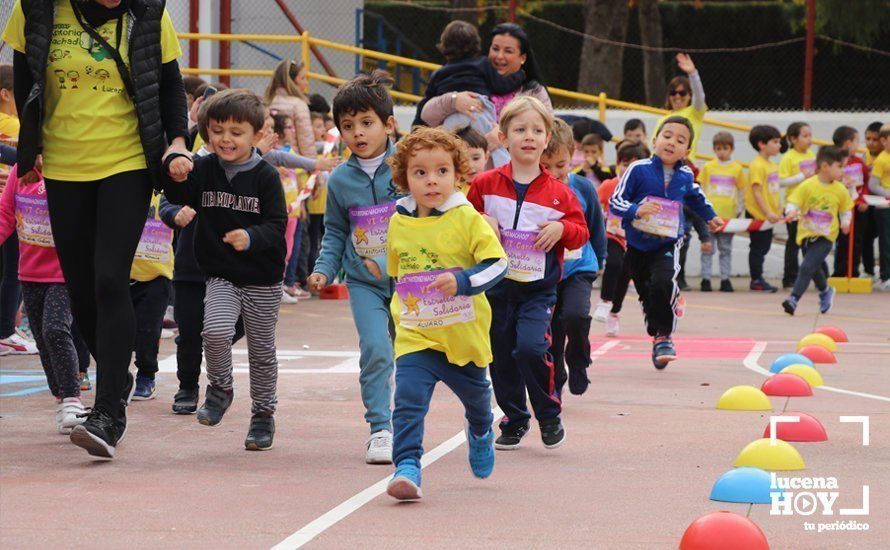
[
  {"x": 621, "y": 167},
  {"x": 289, "y": 135},
  {"x": 318, "y": 129},
  {"x": 329, "y": 124},
  {"x": 365, "y": 134},
  {"x": 885, "y": 143},
  {"x": 431, "y": 178},
  {"x": 772, "y": 147},
  {"x": 526, "y": 138},
  {"x": 873, "y": 142},
  {"x": 232, "y": 141},
  {"x": 723, "y": 152},
  {"x": 804, "y": 140},
  {"x": 477, "y": 157},
  {"x": 672, "y": 143},
  {"x": 636, "y": 134},
  {"x": 833, "y": 171},
  {"x": 558, "y": 164},
  {"x": 592, "y": 154},
  {"x": 851, "y": 146}
]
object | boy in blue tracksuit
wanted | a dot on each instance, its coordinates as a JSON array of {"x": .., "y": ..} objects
[
  {"x": 570, "y": 326},
  {"x": 650, "y": 198},
  {"x": 361, "y": 200}
]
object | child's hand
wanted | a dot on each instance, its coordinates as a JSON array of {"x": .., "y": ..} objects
[
  {"x": 845, "y": 228},
  {"x": 862, "y": 207},
  {"x": 267, "y": 143},
  {"x": 706, "y": 248},
  {"x": 180, "y": 168},
  {"x": 238, "y": 238},
  {"x": 493, "y": 137},
  {"x": 193, "y": 112},
  {"x": 446, "y": 283},
  {"x": 492, "y": 222},
  {"x": 685, "y": 63},
  {"x": 185, "y": 216},
  {"x": 648, "y": 208},
  {"x": 550, "y": 234},
  {"x": 373, "y": 268},
  {"x": 772, "y": 218},
  {"x": 327, "y": 164},
  {"x": 715, "y": 225},
  {"x": 317, "y": 281}
]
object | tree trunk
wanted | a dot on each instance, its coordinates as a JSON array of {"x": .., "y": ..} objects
[
  {"x": 653, "y": 62},
  {"x": 601, "y": 64},
  {"x": 469, "y": 16}
]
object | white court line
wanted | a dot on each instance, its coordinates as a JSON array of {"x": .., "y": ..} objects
[
  {"x": 750, "y": 363},
  {"x": 349, "y": 365}
]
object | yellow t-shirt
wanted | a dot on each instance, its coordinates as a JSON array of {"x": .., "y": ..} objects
[
  {"x": 9, "y": 133},
  {"x": 90, "y": 129},
  {"x": 766, "y": 174},
  {"x": 870, "y": 159},
  {"x": 881, "y": 169},
  {"x": 693, "y": 115},
  {"x": 459, "y": 238},
  {"x": 820, "y": 206},
  {"x": 154, "y": 254},
  {"x": 721, "y": 184},
  {"x": 793, "y": 163},
  {"x": 317, "y": 202}
]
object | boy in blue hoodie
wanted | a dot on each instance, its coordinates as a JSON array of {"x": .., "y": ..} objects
[
  {"x": 650, "y": 199},
  {"x": 361, "y": 200},
  {"x": 570, "y": 327}
]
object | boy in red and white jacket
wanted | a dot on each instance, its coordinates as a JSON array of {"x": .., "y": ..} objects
[{"x": 538, "y": 218}]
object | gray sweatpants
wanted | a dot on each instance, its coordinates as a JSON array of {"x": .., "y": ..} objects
[
  {"x": 258, "y": 305},
  {"x": 722, "y": 242}
]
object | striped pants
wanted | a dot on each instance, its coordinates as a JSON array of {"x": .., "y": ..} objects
[{"x": 259, "y": 307}]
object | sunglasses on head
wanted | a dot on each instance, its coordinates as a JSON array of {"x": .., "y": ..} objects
[{"x": 681, "y": 93}]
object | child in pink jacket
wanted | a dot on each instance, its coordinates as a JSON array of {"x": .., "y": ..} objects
[{"x": 23, "y": 210}]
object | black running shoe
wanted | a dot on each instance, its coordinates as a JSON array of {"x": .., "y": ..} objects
[
  {"x": 553, "y": 434},
  {"x": 510, "y": 437},
  {"x": 706, "y": 285},
  {"x": 186, "y": 401},
  {"x": 261, "y": 432},
  {"x": 100, "y": 433},
  {"x": 726, "y": 286},
  {"x": 216, "y": 403},
  {"x": 578, "y": 381}
]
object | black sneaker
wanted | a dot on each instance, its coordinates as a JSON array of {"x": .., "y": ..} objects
[
  {"x": 510, "y": 437},
  {"x": 99, "y": 434},
  {"x": 186, "y": 401},
  {"x": 578, "y": 381},
  {"x": 261, "y": 432},
  {"x": 761, "y": 285},
  {"x": 552, "y": 433},
  {"x": 706, "y": 285},
  {"x": 126, "y": 397},
  {"x": 663, "y": 352},
  {"x": 216, "y": 403},
  {"x": 726, "y": 286}
]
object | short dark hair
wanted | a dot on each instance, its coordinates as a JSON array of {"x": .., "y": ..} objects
[
  {"x": 239, "y": 105},
  {"x": 874, "y": 127},
  {"x": 763, "y": 133},
  {"x": 364, "y": 93},
  {"x": 202, "y": 87},
  {"x": 630, "y": 153},
  {"x": 459, "y": 40},
  {"x": 318, "y": 104},
  {"x": 278, "y": 120},
  {"x": 584, "y": 126},
  {"x": 592, "y": 139},
  {"x": 723, "y": 138},
  {"x": 6, "y": 76},
  {"x": 677, "y": 119},
  {"x": 633, "y": 124},
  {"x": 191, "y": 83},
  {"x": 472, "y": 138},
  {"x": 842, "y": 134},
  {"x": 830, "y": 154},
  {"x": 315, "y": 115}
]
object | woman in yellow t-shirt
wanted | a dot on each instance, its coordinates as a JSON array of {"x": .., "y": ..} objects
[
  {"x": 112, "y": 98},
  {"x": 686, "y": 98},
  {"x": 797, "y": 164}
]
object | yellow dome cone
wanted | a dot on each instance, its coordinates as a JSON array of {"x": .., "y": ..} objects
[
  {"x": 817, "y": 339},
  {"x": 806, "y": 372},
  {"x": 744, "y": 398},
  {"x": 760, "y": 454}
]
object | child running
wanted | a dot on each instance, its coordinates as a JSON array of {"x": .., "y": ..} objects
[
  {"x": 239, "y": 243},
  {"x": 539, "y": 218},
  {"x": 361, "y": 199},
  {"x": 571, "y": 316},
  {"x": 650, "y": 198},
  {"x": 444, "y": 255},
  {"x": 796, "y": 165},
  {"x": 822, "y": 204}
]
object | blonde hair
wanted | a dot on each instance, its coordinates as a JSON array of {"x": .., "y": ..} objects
[
  {"x": 885, "y": 131},
  {"x": 561, "y": 138},
  {"x": 423, "y": 138},
  {"x": 283, "y": 78},
  {"x": 520, "y": 105}
]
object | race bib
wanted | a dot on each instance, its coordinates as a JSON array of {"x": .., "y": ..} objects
[
  {"x": 423, "y": 308},
  {"x": 154, "y": 245},
  {"x": 32, "y": 221},
  {"x": 772, "y": 182},
  {"x": 818, "y": 222},
  {"x": 853, "y": 177},
  {"x": 369, "y": 227},
  {"x": 807, "y": 167},
  {"x": 573, "y": 254},
  {"x": 613, "y": 225},
  {"x": 526, "y": 264},
  {"x": 665, "y": 223},
  {"x": 722, "y": 186}
]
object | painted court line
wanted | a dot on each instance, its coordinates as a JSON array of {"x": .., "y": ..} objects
[{"x": 750, "y": 363}]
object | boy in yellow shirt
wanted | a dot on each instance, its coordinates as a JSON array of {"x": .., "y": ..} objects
[
  {"x": 824, "y": 206},
  {"x": 762, "y": 199},
  {"x": 879, "y": 184},
  {"x": 444, "y": 256},
  {"x": 722, "y": 180}
]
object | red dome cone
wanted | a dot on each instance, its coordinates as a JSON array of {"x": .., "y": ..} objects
[
  {"x": 817, "y": 354},
  {"x": 832, "y": 332},
  {"x": 808, "y": 430},
  {"x": 723, "y": 531},
  {"x": 787, "y": 385}
]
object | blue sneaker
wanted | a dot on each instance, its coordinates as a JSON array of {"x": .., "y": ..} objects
[
  {"x": 145, "y": 388},
  {"x": 663, "y": 352},
  {"x": 481, "y": 453},
  {"x": 405, "y": 484},
  {"x": 826, "y": 299}
]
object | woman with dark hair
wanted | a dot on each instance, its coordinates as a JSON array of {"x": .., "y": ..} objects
[
  {"x": 100, "y": 96},
  {"x": 686, "y": 98}
]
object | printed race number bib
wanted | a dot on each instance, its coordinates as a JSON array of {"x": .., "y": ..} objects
[
  {"x": 154, "y": 245},
  {"x": 665, "y": 223},
  {"x": 722, "y": 186},
  {"x": 526, "y": 264},
  {"x": 853, "y": 176},
  {"x": 613, "y": 225},
  {"x": 772, "y": 182},
  {"x": 807, "y": 167},
  {"x": 369, "y": 227},
  {"x": 32, "y": 221},
  {"x": 818, "y": 222},
  {"x": 573, "y": 254},
  {"x": 423, "y": 308}
]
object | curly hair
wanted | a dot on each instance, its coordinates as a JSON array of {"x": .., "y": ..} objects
[{"x": 423, "y": 138}]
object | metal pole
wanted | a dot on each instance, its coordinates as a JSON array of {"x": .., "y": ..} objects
[
  {"x": 513, "y": 11},
  {"x": 810, "y": 52},
  {"x": 305, "y": 51},
  {"x": 194, "y": 10},
  {"x": 225, "y": 48}
]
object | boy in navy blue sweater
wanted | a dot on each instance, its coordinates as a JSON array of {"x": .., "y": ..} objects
[{"x": 650, "y": 199}]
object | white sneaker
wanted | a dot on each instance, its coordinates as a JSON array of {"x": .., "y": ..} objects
[
  {"x": 612, "y": 325},
  {"x": 19, "y": 345},
  {"x": 602, "y": 311},
  {"x": 67, "y": 414},
  {"x": 166, "y": 334},
  {"x": 288, "y": 299},
  {"x": 884, "y": 286},
  {"x": 379, "y": 448},
  {"x": 5, "y": 350}
]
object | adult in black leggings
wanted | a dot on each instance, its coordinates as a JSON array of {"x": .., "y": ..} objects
[{"x": 98, "y": 209}]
